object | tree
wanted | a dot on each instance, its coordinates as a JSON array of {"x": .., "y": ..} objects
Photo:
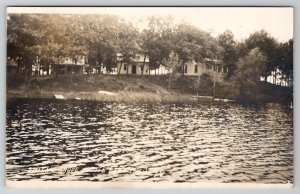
[
  {"x": 249, "y": 70},
  {"x": 215, "y": 77},
  {"x": 128, "y": 45},
  {"x": 145, "y": 39},
  {"x": 285, "y": 60},
  {"x": 228, "y": 54},
  {"x": 53, "y": 46},
  {"x": 267, "y": 45},
  {"x": 100, "y": 34},
  {"x": 172, "y": 64},
  {"x": 186, "y": 47},
  {"x": 21, "y": 39},
  {"x": 108, "y": 39},
  {"x": 75, "y": 39},
  {"x": 156, "y": 41},
  {"x": 192, "y": 43},
  {"x": 37, "y": 39}
]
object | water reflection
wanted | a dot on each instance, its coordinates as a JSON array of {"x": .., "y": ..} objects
[{"x": 180, "y": 143}]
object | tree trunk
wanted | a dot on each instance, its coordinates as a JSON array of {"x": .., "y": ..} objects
[
  {"x": 57, "y": 70},
  {"x": 198, "y": 85},
  {"x": 28, "y": 70},
  {"x": 48, "y": 69},
  {"x": 170, "y": 80},
  {"x": 182, "y": 69},
  {"x": 18, "y": 67},
  {"x": 73, "y": 70},
  {"x": 73, "y": 66},
  {"x": 35, "y": 73},
  {"x": 90, "y": 51},
  {"x": 142, "y": 73},
  {"x": 214, "y": 90},
  {"x": 119, "y": 70}
]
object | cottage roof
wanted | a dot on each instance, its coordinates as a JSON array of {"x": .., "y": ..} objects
[
  {"x": 208, "y": 60},
  {"x": 69, "y": 62},
  {"x": 138, "y": 58}
]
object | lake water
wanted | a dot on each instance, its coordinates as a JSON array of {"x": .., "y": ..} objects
[{"x": 95, "y": 141}]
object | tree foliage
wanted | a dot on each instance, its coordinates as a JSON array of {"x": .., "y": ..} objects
[
  {"x": 228, "y": 52},
  {"x": 102, "y": 41},
  {"x": 267, "y": 45},
  {"x": 249, "y": 70}
]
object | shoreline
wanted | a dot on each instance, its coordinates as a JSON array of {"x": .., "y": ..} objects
[
  {"x": 121, "y": 97},
  {"x": 132, "y": 98},
  {"x": 137, "y": 89}
]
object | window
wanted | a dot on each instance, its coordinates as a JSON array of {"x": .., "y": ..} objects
[
  {"x": 124, "y": 67},
  {"x": 185, "y": 69},
  {"x": 196, "y": 68}
]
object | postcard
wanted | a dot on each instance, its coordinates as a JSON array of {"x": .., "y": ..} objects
[{"x": 149, "y": 97}]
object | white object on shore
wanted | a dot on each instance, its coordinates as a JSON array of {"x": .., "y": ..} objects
[
  {"x": 223, "y": 100},
  {"x": 107, "y": 93},
  {"x": 77, "y": 98},
  {"x": 215, "y": 99},
  {"x": 59, "y": 96},
  {"x": 209, "y": 97}
]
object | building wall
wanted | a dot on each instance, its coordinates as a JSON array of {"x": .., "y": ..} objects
[
  {"x": 201, "y": 68},
  {"x": 191, "y": 66},
  {"x": 189, "y": 69},
  {"x": 139, "y": 68},
  {"x": 161, "y": 70},
  {"x": 130, "y": 67}
]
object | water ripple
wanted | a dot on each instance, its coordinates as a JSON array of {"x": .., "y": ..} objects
[{"x": 158, "y": 142}]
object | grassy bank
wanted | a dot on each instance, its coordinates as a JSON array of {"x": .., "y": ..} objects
[
  {"x": 123, "y": 96},
  {"x": 133, "y": 89}
]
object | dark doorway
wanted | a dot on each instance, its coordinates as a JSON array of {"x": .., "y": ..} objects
[{"x": 133, "y": 69}]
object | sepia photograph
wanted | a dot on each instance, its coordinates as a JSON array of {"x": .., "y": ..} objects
[{"x": 149, "y": 97}]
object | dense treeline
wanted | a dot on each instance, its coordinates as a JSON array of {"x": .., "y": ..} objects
[{"x": 100, "y": 39}]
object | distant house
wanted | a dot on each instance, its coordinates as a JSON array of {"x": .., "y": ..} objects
[
  {"x": 68, "y": 67},
  {"x": 161, "y": 70},
  {"x": 193, "y": 68},
  {"x": 135, "y": 68}
]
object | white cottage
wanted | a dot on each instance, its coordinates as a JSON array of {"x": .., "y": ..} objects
[
  {"x": 193, "y": 68},
  {"x": 68, "y": 67},
  {"x": 134, "y": 68}
]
